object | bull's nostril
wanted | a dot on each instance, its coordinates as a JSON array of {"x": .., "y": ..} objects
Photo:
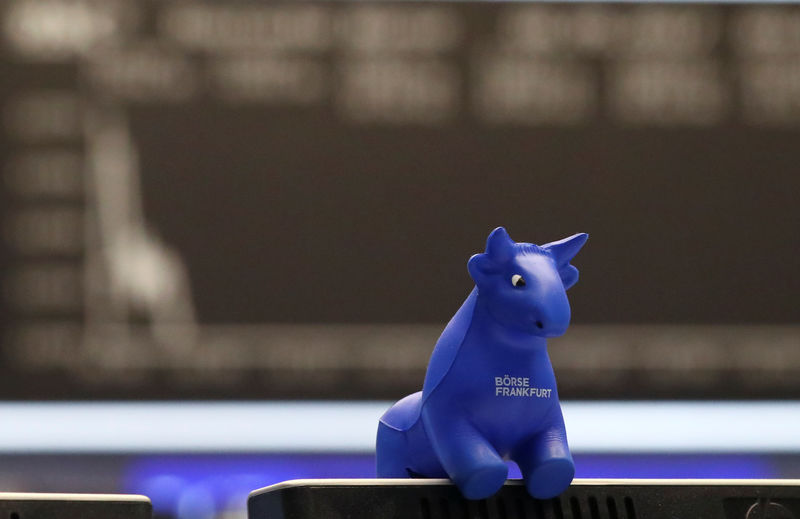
[{"x": 539, "y": 324}]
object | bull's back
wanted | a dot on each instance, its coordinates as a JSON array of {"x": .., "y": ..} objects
[
  {"x": 449, "y": 345},
  {"x": 404, "y": 414}
]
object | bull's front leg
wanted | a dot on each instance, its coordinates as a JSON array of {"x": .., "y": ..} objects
[
  {"x": 470, "y": 461},
  {"x": 545, "y": 461}
]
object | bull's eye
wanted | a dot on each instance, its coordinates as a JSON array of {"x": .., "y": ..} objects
[{"x": 518, "y": 281}]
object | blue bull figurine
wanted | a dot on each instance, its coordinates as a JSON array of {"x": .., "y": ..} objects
[{"x": 490, "y": 392}]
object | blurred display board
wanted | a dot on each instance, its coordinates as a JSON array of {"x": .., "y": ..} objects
[{"x": 277, "y": 200}]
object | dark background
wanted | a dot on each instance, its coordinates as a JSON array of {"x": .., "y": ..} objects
[
  {"x": 324, "y": 249},
  {"x": 325, "y": 223}
]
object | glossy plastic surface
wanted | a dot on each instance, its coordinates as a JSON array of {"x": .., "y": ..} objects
[{"x": 490, "y": 392}]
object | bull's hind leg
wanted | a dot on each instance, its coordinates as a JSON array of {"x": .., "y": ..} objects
[
  {"x": 391, "y": 452},
  {"x": 402, "y": 448}
]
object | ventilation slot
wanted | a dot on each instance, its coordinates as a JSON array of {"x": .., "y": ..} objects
[
  {"x": 594, "y": 510},
  {"x": 630, "y": 511},
  {"x": 522, "y": 513},
  {"x": 444, "y": 504},
  {"x": 483, "y": 509},
  {"x": 502, "y": 513},
  {"x": 462, "y": 510},
  {"x": 508, "y": 507},
  {"x": 558, "y": 512},
  {"x": 425, "y": 508},
  {"x": 612, "y": 508},
  {"x": 575, "y": 508},
  {"x": 538, "y": 509}
]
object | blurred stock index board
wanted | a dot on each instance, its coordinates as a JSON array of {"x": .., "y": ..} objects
[{"x": 257, "y": 200}]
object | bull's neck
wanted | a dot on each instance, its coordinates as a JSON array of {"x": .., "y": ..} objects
[{"x": 488, "y": 330}]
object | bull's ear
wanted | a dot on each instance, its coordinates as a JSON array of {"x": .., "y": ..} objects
[
  {"x": 562, "y": 252},
  {"x": 499, "y": 246},
  {"x": 569, "y": 276},
  {"x": 480, "y": 266}
]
